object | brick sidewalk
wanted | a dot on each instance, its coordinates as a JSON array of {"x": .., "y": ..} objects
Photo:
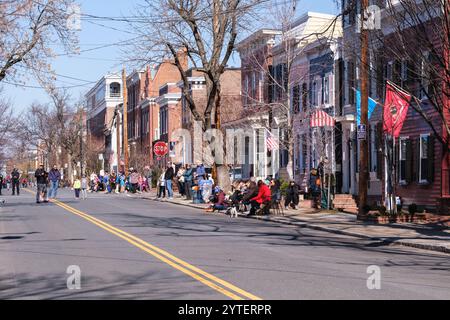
[{"x": 428, "y": 237}]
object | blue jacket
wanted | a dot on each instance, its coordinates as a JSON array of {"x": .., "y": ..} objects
[
  {"x": 201, "y": 171},
  {"x": 188, "y": 175},
  {"x": 54, "y": 175}
]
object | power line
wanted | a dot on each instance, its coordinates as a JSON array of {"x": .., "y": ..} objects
[{"x": 41, "y": 87}]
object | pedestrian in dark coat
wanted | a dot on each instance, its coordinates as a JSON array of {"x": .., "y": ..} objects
[
  {"x": 292, "y": 196},
  {"x": 15, "y": 179}
]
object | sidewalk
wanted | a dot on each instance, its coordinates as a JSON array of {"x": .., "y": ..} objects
[{"x": 428, "y": 237}]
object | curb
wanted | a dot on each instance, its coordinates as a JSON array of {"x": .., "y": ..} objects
[{"x": 305, "y": 224}]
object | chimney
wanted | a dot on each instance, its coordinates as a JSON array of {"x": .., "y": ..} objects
[{"x": 183, "y": 57}]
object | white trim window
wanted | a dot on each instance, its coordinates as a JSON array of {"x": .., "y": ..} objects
[
  {"x": 326, "y": 90},
  {"x": 373, "y": 148},
  {"x": 253, "y": 86},
  {"x": 402, "y": 158},
  {"x": 424, "y": 75},
  {"x": 314, "y": 93},
  {"x": 260, "y": 85},
  {"x": 423, "y": 158},
  {"x": 246, "y": 91}
]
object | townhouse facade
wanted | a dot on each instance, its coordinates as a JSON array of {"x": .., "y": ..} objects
[
  {"x": 144, "y": 118},
  {"x": 286, "y": 76},
  {"x": 421, "y": 162},
  {"x": 190, "y": 147},
  {"x": 101, "y": 104},
  {"x": 252, "y": 157}
]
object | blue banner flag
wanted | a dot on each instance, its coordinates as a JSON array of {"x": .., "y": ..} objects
[{"x": 372, "y": 105}]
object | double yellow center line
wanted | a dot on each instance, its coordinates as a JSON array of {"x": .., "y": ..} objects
[{"x": 208, "y": 279}]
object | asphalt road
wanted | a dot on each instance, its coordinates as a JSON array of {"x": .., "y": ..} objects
[{"x": 128, "y": 248}]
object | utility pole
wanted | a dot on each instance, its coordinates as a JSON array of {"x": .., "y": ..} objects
[
  {"x": 118, "y": 137},
  {"x": 364, "y": 150},
  {"x": 81, "y": 140},
  {"x": 125, "y": 119}
]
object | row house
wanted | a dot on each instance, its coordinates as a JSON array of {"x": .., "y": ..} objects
[
  {"x": 145, "y": 93},
  {"x": 138, "y": 115},
  {"x": 101, "y": 104},
  {"x": 169, "y": 102},
  {"x": 285, "y": 77},
  {"x": 256, "y": 66},
  {"x": 312, "y": 86},
  {"x": 421, "y": 161},
  {"x": 230, "y": 110}
]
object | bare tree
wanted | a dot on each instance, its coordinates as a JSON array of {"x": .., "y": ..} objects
[
  {"x": 8, "y": 125},
  {"x": 206, "y": 30},
  {"x": 421, "y": 42},
  {"x": 285, "y": 93},
  {"x": 28, "y": 28},
  {"x": 411, "y": 51},
  {"x": 56, "y": 127}
]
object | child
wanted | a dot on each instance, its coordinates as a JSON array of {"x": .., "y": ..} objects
[
  {"x": 77, "y": 187},
  {"x": 162, "y": 186}
]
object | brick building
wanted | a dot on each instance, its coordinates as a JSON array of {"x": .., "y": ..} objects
[
  {"x": 101, "y": 104},
  {"x": 230, "y": 110},
  {"x": 421, "y": 162}
]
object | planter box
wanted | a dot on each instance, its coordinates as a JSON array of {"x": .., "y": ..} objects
[
  {"x": 378, "y": 219},
  {"x": 307, "y": 204},
  {"x": 386, "y": 219}
]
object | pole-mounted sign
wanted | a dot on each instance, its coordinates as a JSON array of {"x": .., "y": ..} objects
[{"x": 161, "y": 149}]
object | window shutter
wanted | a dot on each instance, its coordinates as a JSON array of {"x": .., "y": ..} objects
[
  {"x": 396, "y": 160},
  {"x": 409, "y": 157},
  {"x": 430, "y": 170},
  {"x": 380, "y": 147},
  {"x": 416, "y": 176}
]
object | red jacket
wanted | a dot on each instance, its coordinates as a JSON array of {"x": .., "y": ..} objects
[{"x": 263, "y": 194}]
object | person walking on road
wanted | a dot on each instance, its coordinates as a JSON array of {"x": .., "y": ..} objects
[
  {"x": 170, "y": 173},
  {"x": 77, "y": 188},
  {"x": 84, "y": 186},
  {"x": 1, "y": 184},
  {"x": 41, "y": 179},
  {"x": 15, "y": 178},
  {"x": 55, "y": 177}
]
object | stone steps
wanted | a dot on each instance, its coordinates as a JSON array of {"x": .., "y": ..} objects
[{"x": 346, "y": 203}]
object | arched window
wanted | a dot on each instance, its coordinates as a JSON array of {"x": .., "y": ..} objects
[{"x": 114, "y": 90}]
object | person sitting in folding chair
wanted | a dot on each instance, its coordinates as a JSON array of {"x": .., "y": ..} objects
[{"x": 261, "y": 203}]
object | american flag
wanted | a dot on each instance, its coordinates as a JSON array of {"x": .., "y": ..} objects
[
  {"x": 271, "y": 141},
  {"x": 322, "y": 119}
]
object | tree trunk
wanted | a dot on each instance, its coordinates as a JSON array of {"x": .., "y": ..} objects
[{"x": 223, "y": 178}]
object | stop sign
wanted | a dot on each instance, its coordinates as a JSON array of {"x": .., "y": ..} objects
[{"x": 161, "y": 149}]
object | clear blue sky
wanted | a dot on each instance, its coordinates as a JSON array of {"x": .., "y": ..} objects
[{"x": 91, "y": 65}]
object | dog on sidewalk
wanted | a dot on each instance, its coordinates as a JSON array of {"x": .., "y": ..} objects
[{"x": 233, "y": 212}]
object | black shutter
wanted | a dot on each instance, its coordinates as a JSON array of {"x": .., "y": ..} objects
[
  {"x": 396, "y": 160},
  {"x": 408, "y": 164},
  {"x": 416, "y": 157},
  {"x": 430, "y": 161},
  {"x": 285, "y": 75},
  {"x": 380, "y": 147}
]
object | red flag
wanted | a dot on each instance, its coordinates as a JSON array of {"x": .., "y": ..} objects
[{"x": 395, "y": 110}]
